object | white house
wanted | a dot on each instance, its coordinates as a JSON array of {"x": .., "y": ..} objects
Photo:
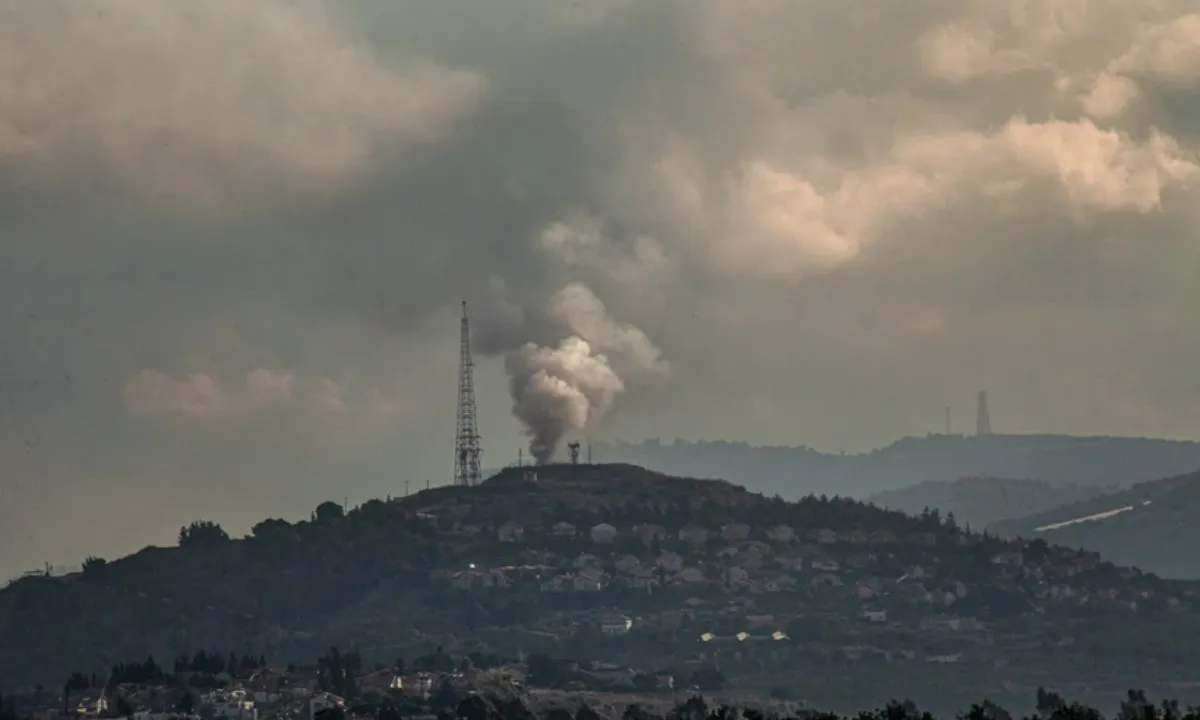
[
  {"x": 604, "y": 534},
  {"x": 794, "y": 563},
  {"x": 825, "y": 536},
  {"x": 781, "y": 534},
  {"x": 563, "y": 529},
  {"x": 510, "y": 532},
  {"x": 615, "y": 624},
  {"x": 669, "y": 561},
  {"x": 626, "y": 563},
  {"x": 649, "y": 532},
  {"x": 234, "y": 705},
  {"x": 588, "y": 560},
  {"x": 875, "y": 615},
  {"x": 735, "y": 531},
  {"x": 587, "y": 582},
  {"x": 93, "y": 706}
]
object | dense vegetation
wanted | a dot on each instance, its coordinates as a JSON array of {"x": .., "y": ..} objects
[
  {"x": 983, "y": 501},
  {"x": 377, "y": 578},
  {"x": 1154, "y": 527}
]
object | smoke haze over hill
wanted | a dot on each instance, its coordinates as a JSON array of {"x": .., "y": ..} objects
[{"x": 236, "y": 236}]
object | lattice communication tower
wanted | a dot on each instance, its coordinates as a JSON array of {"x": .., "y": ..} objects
[{"x": 467, "y": 452}]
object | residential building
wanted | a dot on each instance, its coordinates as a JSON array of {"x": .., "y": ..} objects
[
  {"x": 669, "y": 561},
  {"x": 562, "y": 529},
  {"x": 825, "y": 536},
  {"x": 604, "y": 534},
  {"x": 649, "y": 532},
  {"x": 735, "y": 532},
  {"x": 615, "y": 624},
  {"x": 781, "y": 534},
  {"x": 510, "y": 532}
]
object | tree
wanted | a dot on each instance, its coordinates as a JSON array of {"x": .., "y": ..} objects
[
  {"x": 1037, "y": 551},
  {"x": 202, "y": 533},
  {"x": 268, "y": 527},
  {"x": 544, "y": 670},
  {"x": 337, "y": 673},
  {"x": 707, "y": 678},
  {"x": 93, "y": 565},
  {"x": 445, "y": 696},
  {"x": 187, "y": 704},
  {"x": 328, "y": 511},
  {"x": 440, "y": 661},
  {"x": 986, "y": 710},
  {"x": 1049, "y": 702}
]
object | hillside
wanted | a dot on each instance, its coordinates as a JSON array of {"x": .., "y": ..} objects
[
  {"x": 620, "y": 565},
  {"x": 796, "y": 471},
  {"x": 982, "y": 501},
  {"x": 1151, "y": 526}
]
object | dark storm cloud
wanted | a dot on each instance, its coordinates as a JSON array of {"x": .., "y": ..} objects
[{"x": 236, "y": 235}]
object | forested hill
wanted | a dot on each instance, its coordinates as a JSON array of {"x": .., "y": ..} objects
[
  {"x": 982, "y": 501},
  {"x": 795, "y": 471},
  {"x": 1151, "y": 526},
  {"x": 540, "y": 560}
]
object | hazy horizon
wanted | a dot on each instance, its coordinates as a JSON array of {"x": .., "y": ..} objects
[{"x": 237, "y": 236}]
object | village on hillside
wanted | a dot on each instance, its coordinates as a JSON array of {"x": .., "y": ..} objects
[{"x": 613, "y": 579}]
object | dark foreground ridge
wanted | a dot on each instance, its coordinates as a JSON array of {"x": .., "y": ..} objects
[
  {"x": 337, "y": 687},
  {"x": 623, "y": 574}
]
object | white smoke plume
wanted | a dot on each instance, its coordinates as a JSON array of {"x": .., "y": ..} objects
[
  {"x": 567, "y": 388},
  {"x": 558, "y": 390}
]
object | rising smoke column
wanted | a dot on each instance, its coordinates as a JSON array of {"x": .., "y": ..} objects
[{"x": 557, "y": 390}]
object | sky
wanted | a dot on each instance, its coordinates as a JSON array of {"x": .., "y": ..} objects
[{"x": 234, "y": 237}]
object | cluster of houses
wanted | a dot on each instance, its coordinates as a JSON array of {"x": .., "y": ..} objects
[
  {"x": 277, "y": 693},
  {"x": 872, "y": 574}
]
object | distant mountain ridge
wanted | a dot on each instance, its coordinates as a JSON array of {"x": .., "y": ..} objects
[
  {"x": 795, "y": 471},
  {"x": 1151, "y": 525},
  {"x": 982, "y": 501}
]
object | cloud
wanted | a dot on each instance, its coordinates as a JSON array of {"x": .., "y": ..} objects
[
  {"x": 214, "y": 107},
  {"x": 200, "y": 395},
  {"x": 203, "y": 397},
  {"x": 828, "y": 220}
]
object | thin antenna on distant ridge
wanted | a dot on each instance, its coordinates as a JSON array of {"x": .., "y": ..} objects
[
  {"x": 467, "y": 451},
  {"x": 983, "y": 423}
]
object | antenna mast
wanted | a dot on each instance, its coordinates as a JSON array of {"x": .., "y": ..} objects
[
  {"x": 983, "y": 421},
  {"x": 466, "y": 437}
]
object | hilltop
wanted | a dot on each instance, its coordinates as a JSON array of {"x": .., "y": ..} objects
[
  {"x": 982, "y": 501},
  {"x": 632, "y": 569},
  {"x": 1152, "y": 525},
  {"x": 796, "y": 471}
]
